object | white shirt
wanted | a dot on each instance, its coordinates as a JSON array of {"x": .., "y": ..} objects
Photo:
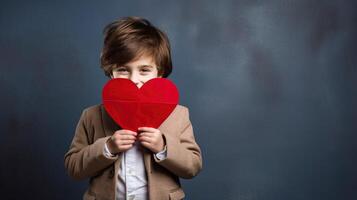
[{"x": 132, "y": 181}]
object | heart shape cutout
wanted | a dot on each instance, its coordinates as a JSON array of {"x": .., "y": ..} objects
[{"x": 132, "y": 107}]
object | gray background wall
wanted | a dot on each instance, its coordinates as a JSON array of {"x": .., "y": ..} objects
[{"x": 271, "y": 87}]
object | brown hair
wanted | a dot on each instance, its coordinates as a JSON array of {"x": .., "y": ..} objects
[{"x": 128, "y": 38}]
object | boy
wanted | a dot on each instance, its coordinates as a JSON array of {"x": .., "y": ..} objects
[{"x": 122, "y": 164}]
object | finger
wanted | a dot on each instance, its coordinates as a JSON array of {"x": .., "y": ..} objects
[
  {"x": 124, "y": 137},
  {"x": 125, "y": 147},
  {"x": 124, "y": 142},
  {"x": 148, "y": 129},
  {"x": 120, "y": 141},
  {"x": 120, "y": 135},
  {"x": 126, "y": 132},
  {"x": 127, "y": 137},
  {"x": 146, "y": 139},
  {"x": 145, "y": 144},
  {"x": 147, "y": 134}
]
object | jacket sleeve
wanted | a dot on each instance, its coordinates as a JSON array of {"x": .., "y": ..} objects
[
  {"x": 183, "y": 153},
  {"x": 84, "y": 160}
]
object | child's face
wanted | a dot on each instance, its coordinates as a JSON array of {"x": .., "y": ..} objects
[{"x": 138, "y": 71}]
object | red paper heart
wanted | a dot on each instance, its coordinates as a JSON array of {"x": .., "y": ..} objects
[{"x": 132, "y": 107}]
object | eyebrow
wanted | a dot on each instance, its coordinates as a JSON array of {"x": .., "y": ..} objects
[{"x": 140, "y": 66}]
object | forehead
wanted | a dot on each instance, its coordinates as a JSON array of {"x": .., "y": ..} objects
[{"x": 143, "y": 60}]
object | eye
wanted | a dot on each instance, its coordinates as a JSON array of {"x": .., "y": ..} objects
[
  {"x": 122, "y": 69},
  {"x": 145, "y": 69}
]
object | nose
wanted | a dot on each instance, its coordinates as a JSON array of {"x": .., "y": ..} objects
[{"x": 136, "y": 79}]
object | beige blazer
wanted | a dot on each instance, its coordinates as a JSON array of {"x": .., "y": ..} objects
[{"x": 85, "y": 158}]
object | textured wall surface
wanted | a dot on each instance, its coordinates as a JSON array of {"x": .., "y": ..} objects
[{"x": 271, "y": 87}]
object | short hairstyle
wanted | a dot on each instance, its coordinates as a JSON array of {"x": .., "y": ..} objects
[{"x": 128, "y": 38}]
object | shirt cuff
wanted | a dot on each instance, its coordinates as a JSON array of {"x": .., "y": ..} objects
[
  {"x": 107, "y": 152},
  {"x": 162, "y": 154}
]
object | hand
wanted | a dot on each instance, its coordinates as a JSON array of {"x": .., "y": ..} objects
[
  {"x": 151, "y": 138},
  {"x": 123, "y": 140}
]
